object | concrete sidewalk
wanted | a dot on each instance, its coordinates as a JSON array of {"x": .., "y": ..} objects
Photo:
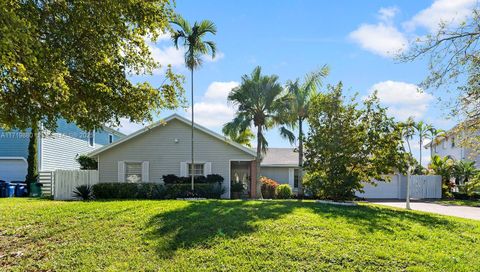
[{"x": 458, "y": 211}]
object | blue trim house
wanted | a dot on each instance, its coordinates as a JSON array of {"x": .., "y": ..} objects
[{"x": 55, "y": 150}]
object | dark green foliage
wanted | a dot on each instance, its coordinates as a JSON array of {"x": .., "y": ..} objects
[
  {"x": 348, "y": 146},
  {"x": 87, "y": 163},
  {"x": 117, "y": 190},
  {"x": 237, "y": 187},
  {"x": 83, "y": 192},
  {"x": 283, "y": 191},
  {"x": 174, "y": 179},
  {"x": 32, "y": 159},
  {"x": 203, "y": 190}
]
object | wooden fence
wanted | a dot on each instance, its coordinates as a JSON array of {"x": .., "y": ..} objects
[{"x": 65, "y": 182}]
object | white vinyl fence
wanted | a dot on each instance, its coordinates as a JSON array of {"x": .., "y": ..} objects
[
  {"x": 421, "y": 187},
  {"x": 65, "y": 182}
]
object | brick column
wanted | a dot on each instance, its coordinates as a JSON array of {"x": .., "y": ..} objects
[{"x": 253, "y": 179}]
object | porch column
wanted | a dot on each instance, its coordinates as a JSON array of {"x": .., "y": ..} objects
[{"x": 253, "y": 179}]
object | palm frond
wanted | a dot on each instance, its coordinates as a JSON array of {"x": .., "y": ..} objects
[{"x": 287, "y": 134}]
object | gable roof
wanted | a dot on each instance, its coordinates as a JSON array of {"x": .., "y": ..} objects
[
  {"x": 280, "y": 157},
  {"x": 166, "y": 120}
]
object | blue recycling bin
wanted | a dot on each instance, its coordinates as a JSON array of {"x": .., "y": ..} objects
[{"x": 20, "y": 188}]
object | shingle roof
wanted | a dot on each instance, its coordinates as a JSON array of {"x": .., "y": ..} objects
[{"x": 280, "y": 156}]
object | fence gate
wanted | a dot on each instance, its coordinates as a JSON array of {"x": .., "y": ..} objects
[
  {"x": 424, "y": 187},
  {"x": 67, "y": 180}
]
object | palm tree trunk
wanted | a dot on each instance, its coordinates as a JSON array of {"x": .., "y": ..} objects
[
  {"x": 259, "y": 159},
  {"x": 193, "y": 157},
  {"x": 300, "y": 157},
  {"x": 421, "y": 142}
]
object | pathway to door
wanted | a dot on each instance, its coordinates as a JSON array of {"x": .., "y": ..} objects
[{"x": 458, "y": 211}]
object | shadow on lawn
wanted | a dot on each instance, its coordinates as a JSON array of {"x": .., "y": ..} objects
[{"x": 200, "y": 223}]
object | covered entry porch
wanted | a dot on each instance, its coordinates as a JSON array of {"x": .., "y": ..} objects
[{"x": 243, "y": 174}]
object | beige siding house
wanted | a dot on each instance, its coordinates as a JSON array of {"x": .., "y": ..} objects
[{"x": 163, "y": 148}]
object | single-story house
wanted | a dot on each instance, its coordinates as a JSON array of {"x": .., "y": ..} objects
[
  {"x": 164, "y": 148},
  {"x": 56, "y": 150}
]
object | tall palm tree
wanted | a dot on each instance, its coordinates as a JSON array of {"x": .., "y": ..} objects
[
  {"x": 242, "y": 137},
  {"x": 259, "y": 101},
  {"x": 422, "y": 128},
  {"x": 191, "y": 38},
  {"x": 408, "y": 130},
  {"x": 298, "y": 104},
  {"x": 434, "y": 135}
]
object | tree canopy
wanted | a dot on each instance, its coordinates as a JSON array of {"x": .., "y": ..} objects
[
  {"x": 348, "y": 145},
  {"x": 72, "y": 60}
]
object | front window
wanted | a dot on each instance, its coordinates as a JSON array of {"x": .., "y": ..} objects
[
  {"x": 296, "y": 178},
  {"x": 110, "y": 138},
  {"x": 133, "y": 172},
  {"x": 91, "y": 138},
  {"x": 453, "y": 142},
  {"x": 197, "y": 171}
]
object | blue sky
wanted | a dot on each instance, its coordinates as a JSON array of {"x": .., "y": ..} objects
[{"x": 356, "y": 39}]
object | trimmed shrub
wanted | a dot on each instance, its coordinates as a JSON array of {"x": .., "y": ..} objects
[
  {"x": 174, "y": 179},
  {"x": 284, "y": 191},
  {"x": 268, "y": 187},
  {"x": 204, "y": 190},
  {"x": 115, "y": 190}
]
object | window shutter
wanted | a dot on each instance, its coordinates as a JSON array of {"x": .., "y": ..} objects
[
  {"x": 121, "y": 171},
  {"x": 291, "y": 176},
  {"x": 145, "y": 171},
  {"x": 207, "y": 168},
  {"x": 183, "y": 169}
]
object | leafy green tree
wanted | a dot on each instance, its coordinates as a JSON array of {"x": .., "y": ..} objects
[
  {"x": 244, "y": 137},
  {"x": 348, "y": 145},
  {"x": 259, "y": 99},
  {"x": 73, "y": 59},
  {"x": 297, "y": 108},
  {"x": 192, "y": 38}
]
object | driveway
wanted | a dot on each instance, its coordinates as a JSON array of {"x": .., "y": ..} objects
[{"x": 458, "y": 211}]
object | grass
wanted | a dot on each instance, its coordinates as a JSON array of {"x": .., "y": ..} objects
[
  {"x": 43, "y": 235},
  {"x": 470, "y": 203}
]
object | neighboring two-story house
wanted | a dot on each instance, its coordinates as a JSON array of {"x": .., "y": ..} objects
[
  {"x": 55, "y": 150},
  {"x": 450, "y": 145}
]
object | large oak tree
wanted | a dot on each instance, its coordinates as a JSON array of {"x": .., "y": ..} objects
[{"x": 72, "y": 59}]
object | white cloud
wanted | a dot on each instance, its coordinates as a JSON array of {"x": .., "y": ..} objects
[
  {"x": 168, "y": 55},
  {"x": 447, "y": 11},
  {"x": 213, "y": 111},
  {"x": 382, "y": 38},
  {"x": 402, "y": 99},
  {"x": 220, "y": 90}
]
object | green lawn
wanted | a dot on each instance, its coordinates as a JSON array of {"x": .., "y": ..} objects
[
  {"x": 471, "y": 203},
  {"x": 43, "y": 235}
]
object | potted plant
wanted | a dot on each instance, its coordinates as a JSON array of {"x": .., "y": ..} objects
[{"x": 237, "y": 190}]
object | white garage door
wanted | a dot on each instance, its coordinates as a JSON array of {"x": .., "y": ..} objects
[{"x": 12, "y": 169}]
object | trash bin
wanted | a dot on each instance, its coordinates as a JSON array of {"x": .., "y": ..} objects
[
  {"x": 10, "y": 190},
  {"x": 35, "y": 189},
  {"x": 3, "y": 188},
  {"x": 20, "y": 188}
]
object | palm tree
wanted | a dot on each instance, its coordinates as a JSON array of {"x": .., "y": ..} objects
[
  {"x": 422, "y": 128},
  {"x": 464, "y": 171},
  {"x": 300, "y": 94},
  {"x": 191, "y": 39},
  {"x": 243, "y": 137},
  {"x": 434, "y": 134},
  {"x": 259, "y": 100},
  {"x": 407, "y": 129}
]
